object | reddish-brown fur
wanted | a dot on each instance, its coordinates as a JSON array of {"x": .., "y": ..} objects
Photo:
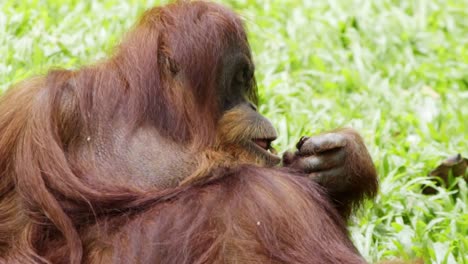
[
  {"x": 252, "y": 215},
  {"x": 63, "y": 199}
]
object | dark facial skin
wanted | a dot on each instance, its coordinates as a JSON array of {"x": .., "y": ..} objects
[{"x": 241, "y": 125}]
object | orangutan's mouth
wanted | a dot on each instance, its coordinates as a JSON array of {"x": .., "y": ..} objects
[{"x": 262, "y": 147}]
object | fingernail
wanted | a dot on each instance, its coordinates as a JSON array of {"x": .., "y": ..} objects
[{"x": 301, "y": 142}]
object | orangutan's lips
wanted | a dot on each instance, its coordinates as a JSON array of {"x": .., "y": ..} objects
[
  {"x": 265, "y": 143},
  {"x": 262, "y": 148}
]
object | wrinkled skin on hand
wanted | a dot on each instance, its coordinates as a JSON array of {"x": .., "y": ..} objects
[{"x": 340, "y": 162}]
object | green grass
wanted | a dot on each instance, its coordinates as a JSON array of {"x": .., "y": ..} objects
[{"x": 397, "y": 71}]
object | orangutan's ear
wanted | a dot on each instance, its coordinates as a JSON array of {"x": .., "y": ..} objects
[
  {"x": 62, "y": 86},
  {"x": 168, "y": 64}
]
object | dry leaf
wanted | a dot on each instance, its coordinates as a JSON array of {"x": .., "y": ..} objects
[{"x": 454, "y": 165}]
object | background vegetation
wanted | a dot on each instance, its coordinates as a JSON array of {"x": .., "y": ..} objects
[{"x": 395, "y": 70}]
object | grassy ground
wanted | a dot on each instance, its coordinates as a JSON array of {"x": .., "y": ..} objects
[{"x": 395, "y": 70}]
